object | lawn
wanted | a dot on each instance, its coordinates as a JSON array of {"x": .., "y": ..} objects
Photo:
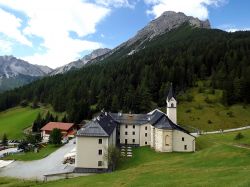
[
  {"x": 211, "y": 115},
  {"x": 217, "y": 163},
  {"x": 15, "y": 120},
  {"x": 32, "y": 155}
]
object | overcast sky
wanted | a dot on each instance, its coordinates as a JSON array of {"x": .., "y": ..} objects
[{"x": 56, "y": 32}]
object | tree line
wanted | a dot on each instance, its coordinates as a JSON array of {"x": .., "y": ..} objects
[{"x": 140, "y": 82}]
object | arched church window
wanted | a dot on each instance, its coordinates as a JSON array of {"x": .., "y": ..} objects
[{"x": 167, "y": 140}]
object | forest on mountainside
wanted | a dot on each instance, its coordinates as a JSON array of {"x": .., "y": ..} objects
[{"x": 140, "y": 82}]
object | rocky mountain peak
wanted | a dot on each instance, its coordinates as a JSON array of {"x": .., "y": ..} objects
[{"x": 168, "y": 21}]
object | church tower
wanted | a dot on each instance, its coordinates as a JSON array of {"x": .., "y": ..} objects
[{"x": 171, "y": 105}]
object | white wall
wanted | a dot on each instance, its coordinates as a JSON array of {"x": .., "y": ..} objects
[
  {"x": 179, "y": 145},
  {"x": 130, "y": 135},
  {"x": 143, "y": 138},
  {"x": 87, "y": 152},
  {"x": 161, "y": 144}
]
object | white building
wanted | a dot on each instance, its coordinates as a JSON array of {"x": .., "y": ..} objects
[{"x": 155, "y": 129}]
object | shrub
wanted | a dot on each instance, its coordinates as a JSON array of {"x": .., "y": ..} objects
[
  {"x": 55, "y": 137},
  {"x": 188, "y": 111},
  {"x": 230, "y": 114},
  {"x": 238, "y": 136}
]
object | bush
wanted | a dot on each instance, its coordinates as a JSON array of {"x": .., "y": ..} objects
[
  {"x": 55, "y": 137},
  {"x": 207, "y": 100},
  {"x": 188, "y": 111},
  {"x": 201, "y": 90},
  {"x": 230, "y": 114},
  {"x": 5, "y": 140},
  {"x": 239, "y": 136},
  {"x": 199, "y": 107}
]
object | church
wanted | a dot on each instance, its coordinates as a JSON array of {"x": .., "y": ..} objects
[{"x": 155, "y": 129}]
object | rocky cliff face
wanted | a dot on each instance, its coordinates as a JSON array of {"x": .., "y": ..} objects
[
  {"x": 81, "y": 62},
  {"x": 16, "y": 72}
]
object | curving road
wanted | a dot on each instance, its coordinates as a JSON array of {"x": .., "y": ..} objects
[{"x": 37, "y": 169}]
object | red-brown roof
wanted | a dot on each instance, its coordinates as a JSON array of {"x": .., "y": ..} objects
[{"x": 57, "y": 125}]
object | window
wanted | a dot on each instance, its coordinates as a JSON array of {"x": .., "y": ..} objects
[
  {"x": 146, "y": 128},
  {"x": 100, "y": 141},
  {"x": 133, "y": 126},
  {"x": 172, "y": 105},
  {"x": 185, "y": 147},
  {"x": 126, "y": 126},
  {"x": 133, "y": 140},
  {"x": 182, "y": 139},
  {"x": 146, "y": 134},
  {"x": 100, "y": 152},
  {"x": 167, "y": 140},
  {"x": 126, "y": 141},
  {"x": 99, "y": 163},
  {"x": 133, "y": 132},
  {"x": 126, "y": 133},
  {"x": 146, "y": 143}
]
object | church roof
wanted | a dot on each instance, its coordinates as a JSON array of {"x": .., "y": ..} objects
[
  {"x": 133, "y": 119},
  {"x": 171, "y": 93}
]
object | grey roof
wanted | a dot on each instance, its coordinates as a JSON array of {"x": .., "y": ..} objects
[
  {"x": 133, "y": 119},
  {"x": 102, "y": 125},
  {"x": 171, "y": 93}
]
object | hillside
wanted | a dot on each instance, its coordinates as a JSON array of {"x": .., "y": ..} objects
[
  {"x": 139, "y": 81},
  {"x": 15, "y": 120},
  {"x": 218, "y": 162},
  {"x": 201, "y": 108}
]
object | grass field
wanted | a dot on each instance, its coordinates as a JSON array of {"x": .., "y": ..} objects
[
  {"x": 15, "y": 120},
  {"x": 32, "y": 155},
  {"x": 218, "y": 162},
  {"x": 211, "y": 114}
]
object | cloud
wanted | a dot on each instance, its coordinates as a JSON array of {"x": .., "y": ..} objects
[
  {"x": 196, "y": 8},
  {"x": 10, "y": 27},
  {"x": 116, "y": 3},
  {"x": 5, "y": 46},
  {"x": 236, "y": 29},
  {"x": 52, "y": 21},
  {"x": 232, "y": 28}
]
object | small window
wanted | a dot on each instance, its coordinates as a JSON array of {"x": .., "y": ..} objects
[
  {"x": 172, "y": 105},
  {"x": 146, "y": 143},
  {"x": 182, "y": 139},
  {"x": 133, "y": 140},
  {"x": 133, "y": 132},
  {"x": 126, "y": 133},
  {"x": 146, "y": 128},
  {"x": 99, "y": 163},
  {"x": 133, "y": 126},
  {"x": 126, "y": 141},
  {"x": 126, "y": 126},
  {"x": 100, "y": 152},
  {"x": 100, "y": 141},
  {"x": 146, "y": 134},
  {"x": 185, "y": 147}
]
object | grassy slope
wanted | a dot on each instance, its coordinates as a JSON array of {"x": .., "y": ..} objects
[
  {"x": 198, "y": 112},
  {"x": 32, "y": 155},
  {"x": 15, "y": 120},
  {"x": 217, "y": 163}
]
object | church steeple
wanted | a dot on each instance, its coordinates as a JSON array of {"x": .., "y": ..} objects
[{"x": 171, "y": 105}]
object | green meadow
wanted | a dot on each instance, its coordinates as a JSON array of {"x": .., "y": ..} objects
[
  {"x": 205, "y": 111},
  {"x": 217, "y": 162},
  {"x": 15, "y": 120}
]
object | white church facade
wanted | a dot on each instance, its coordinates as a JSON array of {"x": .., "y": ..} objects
[{"x": 155, "y": 129}]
